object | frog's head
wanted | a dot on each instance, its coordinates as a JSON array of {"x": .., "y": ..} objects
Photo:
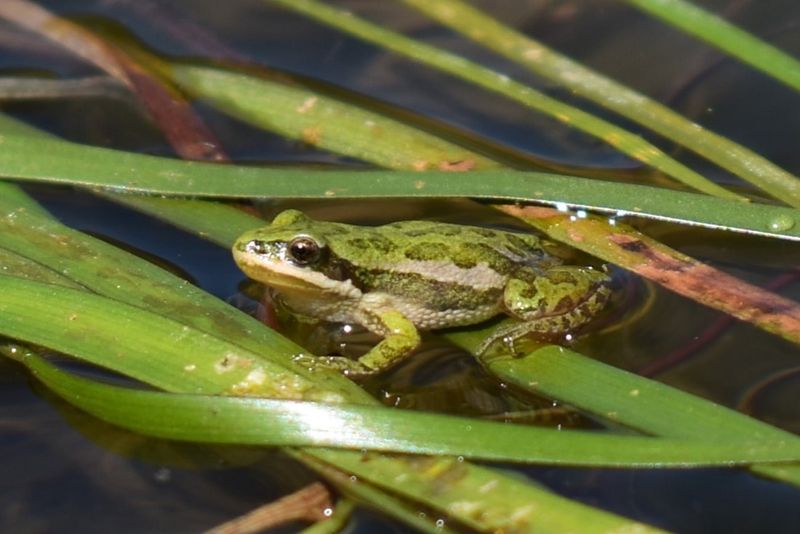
[{"x": 292, "y": 256}]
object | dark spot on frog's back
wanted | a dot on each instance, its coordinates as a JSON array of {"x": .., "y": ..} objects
[
  {"x": 418, "y": 232},
  {"x": 485, "y": 232},
  {"x": 424, "y": 251},
  {"x": 374, "y": 242},
  {"x": 520, "y": 245},
  {"x": 450, "y": 231}
]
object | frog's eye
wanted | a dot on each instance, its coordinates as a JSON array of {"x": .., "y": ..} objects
[{"x": 304, "y": 250}]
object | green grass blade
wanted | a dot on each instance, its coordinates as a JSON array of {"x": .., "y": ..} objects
[
  {"x": 631, "y": 144},
  {"x": 638, "y": 402},
  {"x": 727, "y": 37},
  {"x": 628, "y": 399},
  {"x": 541, "y": 512},
  {"x": 260, "y": 421},
  {"x": 319, "y": 120},
  {"x": 524, "y": 50},
  {"x": 214, "y": 221},
  {"x": 123, "y": 171},
  {"x": 104, "y": 269},
  {"x": 23, "y": 217},
  {"x": 366, "y": 493}
]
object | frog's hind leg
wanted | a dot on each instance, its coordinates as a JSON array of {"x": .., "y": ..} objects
[{"x": 551, "y": 305}]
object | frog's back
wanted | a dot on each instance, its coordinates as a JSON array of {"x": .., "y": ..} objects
[
  {"x": 437, "y": 274},
  {"x": 466, "y": 246}
]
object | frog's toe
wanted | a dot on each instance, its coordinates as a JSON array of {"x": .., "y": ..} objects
[{"x": 346, "y": 366}]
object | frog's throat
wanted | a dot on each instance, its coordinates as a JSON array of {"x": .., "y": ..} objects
[{"x": 290, "y": 279}]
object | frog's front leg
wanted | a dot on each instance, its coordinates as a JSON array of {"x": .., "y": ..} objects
[
  {"x": 400, "y": 338},
  {"x": 551, "y": 304}
]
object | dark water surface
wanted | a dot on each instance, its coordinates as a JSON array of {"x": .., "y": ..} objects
[{"x": 64, "y": 471}]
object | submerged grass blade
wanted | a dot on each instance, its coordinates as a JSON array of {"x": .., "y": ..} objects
[
  {"x": 524, "y": 50},
  {"x": 727, "y": 37},
  {"x": 686, "y": 276},
  {"x": 631, "y": 144},
  {"x": 319, "y": 120}
]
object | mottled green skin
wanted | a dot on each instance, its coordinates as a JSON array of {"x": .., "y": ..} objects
[{"x": 410, "y": 275}]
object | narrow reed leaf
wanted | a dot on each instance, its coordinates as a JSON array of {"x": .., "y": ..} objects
[
  {"x": 56, "y": 245},
  {"x": 629, "y": 143},
  {"x": 729, "y": 38},
  {"x": 548, "y": 63},
  {"x": 74, "y": 164},
  {"x": 634, "y": 401},
  {"x": 624, "y": 246},
  {"x": 261, "y": 421},
  {"x": 319, "y": 120},
  {"x": 527, "y": 509}
]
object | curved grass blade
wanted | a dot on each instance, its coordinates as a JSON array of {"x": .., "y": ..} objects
[
  {"x": 682, "y": 274},
  {"x": 261, "y": 421},
  {"x": 123, "y": 171},
  {"x": 104, "y": 269},
  {"x": 545, "y": 62},
  {"x": 727, "y": 37},
  {"x": 509, "y": 495},
  {"x": 631, "y": 144},
  {"x": 632, "y": 400}
]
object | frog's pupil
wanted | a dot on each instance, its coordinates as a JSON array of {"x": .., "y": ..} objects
[{"x": 304, "y": 250}]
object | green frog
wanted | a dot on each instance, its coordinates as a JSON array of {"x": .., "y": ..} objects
[{"x": 400, "y": 278}]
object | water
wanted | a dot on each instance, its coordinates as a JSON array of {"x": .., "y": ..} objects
[{"x": 65, "y": 468}]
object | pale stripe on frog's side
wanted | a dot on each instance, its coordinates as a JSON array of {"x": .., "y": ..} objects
[{"x": 405, "y": 276}]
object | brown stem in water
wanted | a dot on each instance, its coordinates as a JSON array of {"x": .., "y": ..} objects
[
  {"x": 171, "y": 112},
  {"x": 311, "y": 503}
]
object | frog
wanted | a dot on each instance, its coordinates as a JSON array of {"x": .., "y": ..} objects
[{"x": 405, "y": 277}]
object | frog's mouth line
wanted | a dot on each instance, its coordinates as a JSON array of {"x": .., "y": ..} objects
[{"x": 288, "y": 278}]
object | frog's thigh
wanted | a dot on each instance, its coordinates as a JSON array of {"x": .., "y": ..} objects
[
  {"x": 548, "y": 307},
  {"x": 560, "y": 292}
]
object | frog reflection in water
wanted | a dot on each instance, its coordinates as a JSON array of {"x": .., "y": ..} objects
[{"x": 416, "y": 275}]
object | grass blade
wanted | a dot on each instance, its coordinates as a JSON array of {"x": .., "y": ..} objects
[
  {"x": 74, "y": 164},
  {"x": 723, "y": 35},
  {"x": 318, "y": 120},
  {"x": 170, "y": 111},
  {"x": 626, "y": 142},
  {"x": 57, "y": 243},
  {"x": 682, "y": 274},
  {"x": 545, "y": 62},
  {"x": 261, "y": 421}
]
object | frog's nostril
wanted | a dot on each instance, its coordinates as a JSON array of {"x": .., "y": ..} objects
[{"x": 256, "y": 246}]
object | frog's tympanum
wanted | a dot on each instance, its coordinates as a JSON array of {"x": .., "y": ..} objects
[{"x": 415, "y": 275}]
